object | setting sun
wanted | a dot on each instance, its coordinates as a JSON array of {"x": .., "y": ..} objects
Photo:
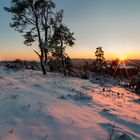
[{"x": 122, "y": 57}]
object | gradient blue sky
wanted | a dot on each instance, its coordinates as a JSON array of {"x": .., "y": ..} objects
[{"x": 112, "y": 24}]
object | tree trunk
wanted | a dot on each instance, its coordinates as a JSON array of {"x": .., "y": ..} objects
[
  {"x": 43, "y": 67},
  {"x": 64, "y": 66},
  {"x": 42, "y": 62},
  {"x": 46, "y": 56},
  {"x": 62, "y": 59}
]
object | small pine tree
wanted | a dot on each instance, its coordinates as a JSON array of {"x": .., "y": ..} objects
[
  {"x": 100, "y": 60},
  {"x": 99, "y": 55}
]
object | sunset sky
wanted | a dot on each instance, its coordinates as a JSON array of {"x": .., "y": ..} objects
[{"x": 112, "y": 24}]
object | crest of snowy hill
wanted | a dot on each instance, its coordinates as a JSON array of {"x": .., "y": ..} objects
[{"x": 53, "y": 107}]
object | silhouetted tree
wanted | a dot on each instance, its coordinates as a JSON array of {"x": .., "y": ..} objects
[
  {"x": 37, "y": 21},
  {"x": 99, "y": 54},
  {"x": 61, "y": 39},
  {"x": 100, "y": 60}
]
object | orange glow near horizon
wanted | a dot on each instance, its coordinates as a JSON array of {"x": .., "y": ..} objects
[
  {"x": 33, "y": 56},
  {"x": 21, "y": 56},
  {"x": 17, "y": 50},
  {"x": 28, "y": 54}
]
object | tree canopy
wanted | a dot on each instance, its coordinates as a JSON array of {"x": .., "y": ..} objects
[{"x": 39, "y": 22}]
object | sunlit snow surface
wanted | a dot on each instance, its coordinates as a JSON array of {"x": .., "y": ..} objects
[{"x": 36, "y": 107}]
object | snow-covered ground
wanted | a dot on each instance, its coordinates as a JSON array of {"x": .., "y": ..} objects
[{"x": 53, "y": 107}]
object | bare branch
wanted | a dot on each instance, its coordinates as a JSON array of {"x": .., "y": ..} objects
[{"x": 37, "y": 53}]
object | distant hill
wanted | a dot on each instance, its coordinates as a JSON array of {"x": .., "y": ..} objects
[{"x": 78, "y": 61}]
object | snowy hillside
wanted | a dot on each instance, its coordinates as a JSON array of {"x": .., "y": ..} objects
[{"x": 53, "y": 107}]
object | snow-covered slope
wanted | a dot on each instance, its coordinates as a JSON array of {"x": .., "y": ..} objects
[{"x": 53, "y": 107}]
